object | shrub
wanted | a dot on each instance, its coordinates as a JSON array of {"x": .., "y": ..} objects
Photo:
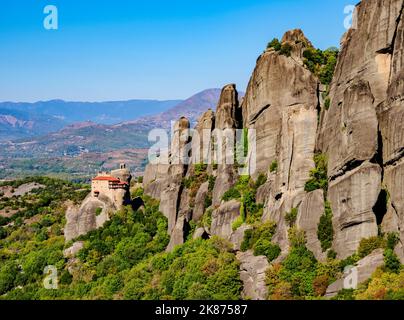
[
  {"x": 208, "y": 201},
  {"x": 259, "y": 239},
  {"x": 325, "y": 231},
  {"x": 367, "y": 246},
  {"x": 299, "y": 269},
  {"x": 321, "y": 63},
  {"x": 275, "y": 44},
  {"x": 345, "y": 294},
  {"x": 286, "y": 49},
  {"x": 98, "y": 211},
  {"x": 320, "y": 285},
  {"x": 200, "y": 169},
  {"x": 261, "y": 180},
  {"x": 237, "y": 223},
  {"x": 392, "y": 240},
  {"x": 318, "y": 176},
  {"x": 327, "y": 103},
  {"x": 274, "y": 166},
  {"x": 291, "y": 216},
  {"x": 391, "y": 261},
  {"x": 212, "y": 181},
  {"x": 231, "y": 194},
  {"x": 264, "y": 247},
  {"x": 297, "y": 237},
  {"x": 8, "y": 274},
  {"x": 207, "y": 218},
  {"x": 331, "y": 255}
]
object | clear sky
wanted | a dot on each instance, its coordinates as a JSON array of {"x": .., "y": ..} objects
[{"x": 158, "y": 49}]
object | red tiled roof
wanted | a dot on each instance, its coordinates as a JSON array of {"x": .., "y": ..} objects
[{"x": 100, "y": 178}]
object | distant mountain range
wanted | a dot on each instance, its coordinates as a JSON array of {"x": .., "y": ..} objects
[
  {"x": 25, "y": 120},
  {"x": 88, "y": 137}
]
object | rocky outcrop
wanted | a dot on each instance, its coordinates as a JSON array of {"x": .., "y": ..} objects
[
  {"x": 252, "y": 273},
  {"x": 352, "y": 198},
  {"x": 164, "y": 181},
  {"x": 358, "y": 274},
  {"x": 361, "y": 132},
  {"x": 223, "y": 218},
  {"x": 85, "y": 218},
  {"x": 199, "y": 207},
  {"x": 228, "y": 118},
  {"x": 281, "y": 106},
  {"x": 73, "y": 250},
  {"x": 310, "y": 212},
  {"x": 279, "y": 94}
]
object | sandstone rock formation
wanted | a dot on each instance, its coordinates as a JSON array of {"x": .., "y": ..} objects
[
  {"x": 83, "y": 219},
  {"x": 359, "y": 132},
  {"x": 253, "y": 275},
  {"x": 361, "y": 272}
]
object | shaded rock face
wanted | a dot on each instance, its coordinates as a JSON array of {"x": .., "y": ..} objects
[
  {"x": 252, "y": 273},
  {"x": 199, "y": 208},
  {"x": 361, "y": 133}
]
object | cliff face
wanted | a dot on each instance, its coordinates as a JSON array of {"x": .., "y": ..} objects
[{"x": 359, "y": 131}]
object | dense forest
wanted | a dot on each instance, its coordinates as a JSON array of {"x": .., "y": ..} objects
[{"x": 126, "y": 259}]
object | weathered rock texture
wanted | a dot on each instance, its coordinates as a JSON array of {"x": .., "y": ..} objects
[
  {"x": 83, "y": 219},
  {"x": 164, "y": 180},
  {"x": 361, "y": 272},
  {"x": 310, "y": 212},
  {"x": 253, "y": 275},
  {"x": 281, "y": 106},
  {"x": 362, "y": 132}
]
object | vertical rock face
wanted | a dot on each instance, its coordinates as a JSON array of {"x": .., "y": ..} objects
[
  {"x": 163, "y": 179},
  {"x": 361, "y": 133},
  {"x": 253, "y": 275},
  {"x": 281, "y": 106},
  {"x": 279, "y": 89},
  {"x": 228, "y": 118},
  {"x": 310, "y": 212},
  {"x": 83, "y": 219},
  {"x": 352, "y": 198},
  {"x": 223, "y": 218}
]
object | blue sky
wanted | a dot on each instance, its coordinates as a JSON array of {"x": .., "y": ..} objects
[{"x": 127, "y": 49}]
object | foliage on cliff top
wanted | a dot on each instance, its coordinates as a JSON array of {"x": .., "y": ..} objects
[{"x": 321, "y": 63}]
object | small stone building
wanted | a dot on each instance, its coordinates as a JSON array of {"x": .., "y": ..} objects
[{"x": 114, "y": 185}]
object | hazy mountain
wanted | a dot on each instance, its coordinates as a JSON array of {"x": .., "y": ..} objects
[
  {"x": 191, "y": 108},
  {"x": 24, "y": 120},
  {"x": 85, "y": 137}
]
